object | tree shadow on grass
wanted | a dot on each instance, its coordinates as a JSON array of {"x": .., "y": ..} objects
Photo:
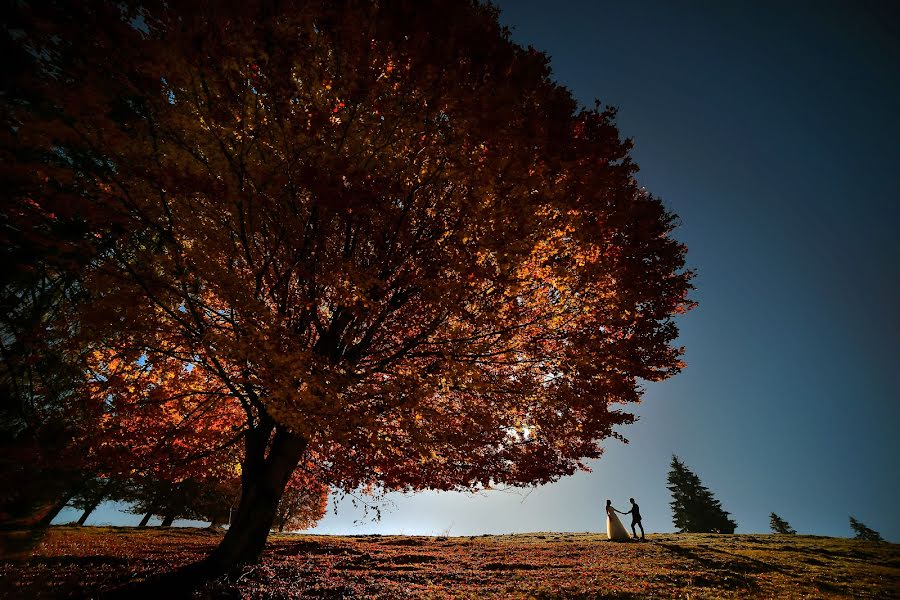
[
  {"x": 861, "y": 554},
  {"x": 175, "y": 585},
  {"x": 737, "y": 562},
  {"x": 724, "y": 570},
  {"x": 71, "y": 576},
  {"x": 311, "y": 548},
  {"x": 403, "y": 542},
  {"x": 612, "y": 595},
  {"x": 414, "y": 559}
]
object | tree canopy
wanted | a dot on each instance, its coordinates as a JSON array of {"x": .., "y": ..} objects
[
  {"x": 304, "y": 501},
  {"x": 377, "y": 235}
]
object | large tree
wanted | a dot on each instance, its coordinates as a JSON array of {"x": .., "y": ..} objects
[
  {"x": 694, "y": 508},
  {"x": 380, "y": 231}
]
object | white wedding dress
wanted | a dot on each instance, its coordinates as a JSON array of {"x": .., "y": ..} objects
[{"x": 614, "y": 528}]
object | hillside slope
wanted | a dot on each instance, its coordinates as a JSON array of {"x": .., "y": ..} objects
[{"x": 76, "y": 562}]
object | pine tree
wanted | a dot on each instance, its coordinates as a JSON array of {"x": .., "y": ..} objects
[
  {"x": 779, "y": 525},
  {"x": 864, "y": 533},
  {"x": 694, "y": 508}
]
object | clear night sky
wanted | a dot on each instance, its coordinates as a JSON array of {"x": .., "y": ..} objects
[{"x": 773, "y": 130}]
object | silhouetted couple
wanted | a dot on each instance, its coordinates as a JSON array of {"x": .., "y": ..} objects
[{"x": 614, "y": 528}]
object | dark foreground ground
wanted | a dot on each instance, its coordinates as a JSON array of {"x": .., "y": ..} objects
[{"x": 87, "y": 561}]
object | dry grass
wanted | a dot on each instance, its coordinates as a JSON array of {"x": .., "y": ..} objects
[{"x": 80, "y": 562}]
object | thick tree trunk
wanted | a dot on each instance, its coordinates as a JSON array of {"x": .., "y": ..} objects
[
  {"x": 150, "y": 512},
  {"x": 167, "y": 520},
  {"x": 263, "y": 480}
]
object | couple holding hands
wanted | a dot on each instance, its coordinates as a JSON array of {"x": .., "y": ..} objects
[{"x": 614, "y": 528}]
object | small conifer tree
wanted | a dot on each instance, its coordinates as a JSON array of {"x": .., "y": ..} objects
[
  {"x": 694, "y": 508},
  {"x": 779, "y": 525},
  {"x": 864, "y": 533}
]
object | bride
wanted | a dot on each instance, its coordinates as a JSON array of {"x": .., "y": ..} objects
[{"x": 614, "y": 528}]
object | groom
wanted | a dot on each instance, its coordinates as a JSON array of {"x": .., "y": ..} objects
[{"x": 635, "y": 513}]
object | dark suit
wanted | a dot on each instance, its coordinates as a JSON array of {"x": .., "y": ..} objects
[{"x": 635, "y": 513}]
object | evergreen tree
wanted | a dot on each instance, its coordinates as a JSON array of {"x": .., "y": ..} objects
[
  {"x": 694, "y": 508},
  {"x": 864, "y": 533},
  {"x": 779, "y": 525}
]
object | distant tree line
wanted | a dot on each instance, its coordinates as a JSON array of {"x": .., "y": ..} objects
[
  {"x": 696, "y": 510},
  {"x": 211, "y": 500}
]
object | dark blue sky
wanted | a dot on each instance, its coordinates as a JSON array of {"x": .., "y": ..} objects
[{"x": 773, "y": 130}]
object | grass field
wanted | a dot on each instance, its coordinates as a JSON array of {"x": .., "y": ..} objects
[{"x": 87, "y": 561}]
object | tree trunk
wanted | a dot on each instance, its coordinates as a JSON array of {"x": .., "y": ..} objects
[
  {"x": 263, "y": 479},
  {"x": 28, "y": 509},
  {"x": 217, "y": 521},
  {"x": 95, "y": 501},
  {"x": 154, "y": 505},
  {"x": 87, "y": 511},
  {"x": 167, "y": 520},
  {"x": 55, "y": 510}
]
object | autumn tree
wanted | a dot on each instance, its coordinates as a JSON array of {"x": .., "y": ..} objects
[
  {"x": 168, "y": 431},
  {"x": 96, "y": 490},
  {"x": 862, "y": 532},
  {"x": 779, "y": 525},
  {"x": 217, "y": 498},
  {"x": 42, "y": 257},
  {"x": 303, "y": 503},
  {"x": 694, "y": 508},
  {"x": 166, "y": 499},
  {"x": 301, "y": 506},
  {"x": 37, "y": 434},
  {"x": 378, "y": 231},
  {"x": 147, "y": 498},
  {"x": 200, "y": 499},
  {"x": 40, "y": 457}
]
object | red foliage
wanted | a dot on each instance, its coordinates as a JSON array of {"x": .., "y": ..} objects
[{"x": 304, "y": 501}]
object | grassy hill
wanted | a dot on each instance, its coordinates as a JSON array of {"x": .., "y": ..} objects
[{"x": 78, "y": 562}]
